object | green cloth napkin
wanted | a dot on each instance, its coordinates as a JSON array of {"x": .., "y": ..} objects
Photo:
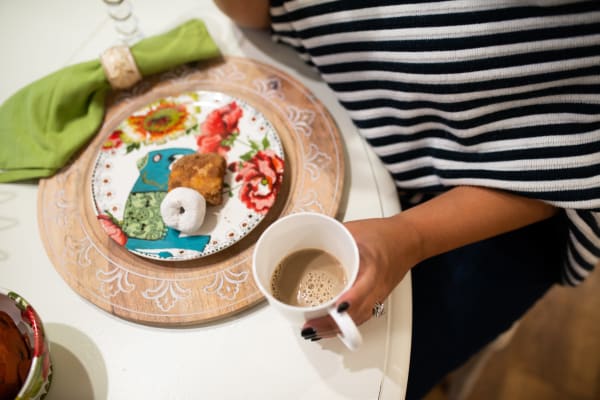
[{"x": 44, "y": 124}]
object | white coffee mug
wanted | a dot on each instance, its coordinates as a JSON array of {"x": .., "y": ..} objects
[{"x": 308, "y": 230}]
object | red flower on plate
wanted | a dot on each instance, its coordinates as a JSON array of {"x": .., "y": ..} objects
[
  {"x": 112, "y": 229},
  {"x": 261, "y": 178},
  {"x": 218, "y": 126},
  {"x": 114, "y": 141}
]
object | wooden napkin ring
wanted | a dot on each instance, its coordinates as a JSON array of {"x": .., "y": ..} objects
[{"x": 120, "y": 68}]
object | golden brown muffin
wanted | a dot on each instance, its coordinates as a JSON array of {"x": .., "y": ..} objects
[
  {"x": 203, "y": 172},
  {"x": 15, "y": 358}
]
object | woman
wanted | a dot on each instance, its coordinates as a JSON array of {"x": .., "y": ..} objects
[{"x": 487, "y": 115}]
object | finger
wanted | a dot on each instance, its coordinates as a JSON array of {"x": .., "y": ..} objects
[
  {"x": 324, "y": 327},
  {"x": 321, "y": 327},
  {"x": 359, "y": 299}
]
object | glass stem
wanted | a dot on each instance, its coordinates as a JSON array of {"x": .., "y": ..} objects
[{"x": 124, "y": 20}]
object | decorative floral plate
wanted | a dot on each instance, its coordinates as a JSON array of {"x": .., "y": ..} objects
[{"x": 131, "y": 173}]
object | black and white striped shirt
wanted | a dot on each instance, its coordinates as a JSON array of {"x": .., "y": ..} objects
[{"x": 496, "y": 93}]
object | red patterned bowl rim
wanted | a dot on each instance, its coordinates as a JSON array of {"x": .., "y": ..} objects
[{"x": 38, "y": 335}]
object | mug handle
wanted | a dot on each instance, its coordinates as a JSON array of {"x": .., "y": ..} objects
[{"x": 349, "y": 333}]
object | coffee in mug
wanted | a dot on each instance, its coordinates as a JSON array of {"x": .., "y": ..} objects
[
  {"x": 297, "y": 254},
  {"x": 308, "y": 278}
]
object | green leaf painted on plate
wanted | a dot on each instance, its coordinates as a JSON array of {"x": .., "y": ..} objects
[
  {"x": 247, "y": 156},
  {"x": 265, "y": 143},
  {"x": 230, "y": 140}
]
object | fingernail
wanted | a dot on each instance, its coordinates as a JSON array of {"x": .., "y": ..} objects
[
  {"x": 343, "y": 307},
  {"x": 314, "y": 339},
  {"x": 308, "y": 332}
]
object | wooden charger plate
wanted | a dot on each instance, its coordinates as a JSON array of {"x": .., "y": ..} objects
[{"x": 219, "y": 285}]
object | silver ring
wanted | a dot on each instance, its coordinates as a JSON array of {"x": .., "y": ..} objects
[{"x": 378, "y": 309}]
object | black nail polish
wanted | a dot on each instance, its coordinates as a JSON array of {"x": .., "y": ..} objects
[
  {"x": 314, "y": 339},
  {"x": 343, "y": 307},
  {"x": 308, "y": 332}
]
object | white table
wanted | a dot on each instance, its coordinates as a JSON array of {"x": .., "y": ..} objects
[{"x": 253, "y": 355}]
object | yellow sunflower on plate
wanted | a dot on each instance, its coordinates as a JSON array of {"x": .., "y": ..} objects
[{"x": 165, "y": 119}]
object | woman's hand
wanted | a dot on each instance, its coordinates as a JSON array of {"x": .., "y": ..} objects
[{"x": 388, "y": 248}]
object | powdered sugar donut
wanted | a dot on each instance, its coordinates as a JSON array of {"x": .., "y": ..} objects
[{"x": 183, "y": 209}]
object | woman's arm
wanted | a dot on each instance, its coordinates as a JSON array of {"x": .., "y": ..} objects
[
  {"x": 246, "y": 13},
  {"x": 469, "y": 214},
  {"x": 389, "y": 247}
]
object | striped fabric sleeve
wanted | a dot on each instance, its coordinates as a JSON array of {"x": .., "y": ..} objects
[
  {"x": 583, "y": 251},
  {"x": 495, "y": 93}
]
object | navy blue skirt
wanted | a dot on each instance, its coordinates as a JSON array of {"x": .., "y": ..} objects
[{"x": 462, "y": 300}]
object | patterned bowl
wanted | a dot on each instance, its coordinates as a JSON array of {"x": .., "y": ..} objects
[{"x": 22, "y": 343}]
